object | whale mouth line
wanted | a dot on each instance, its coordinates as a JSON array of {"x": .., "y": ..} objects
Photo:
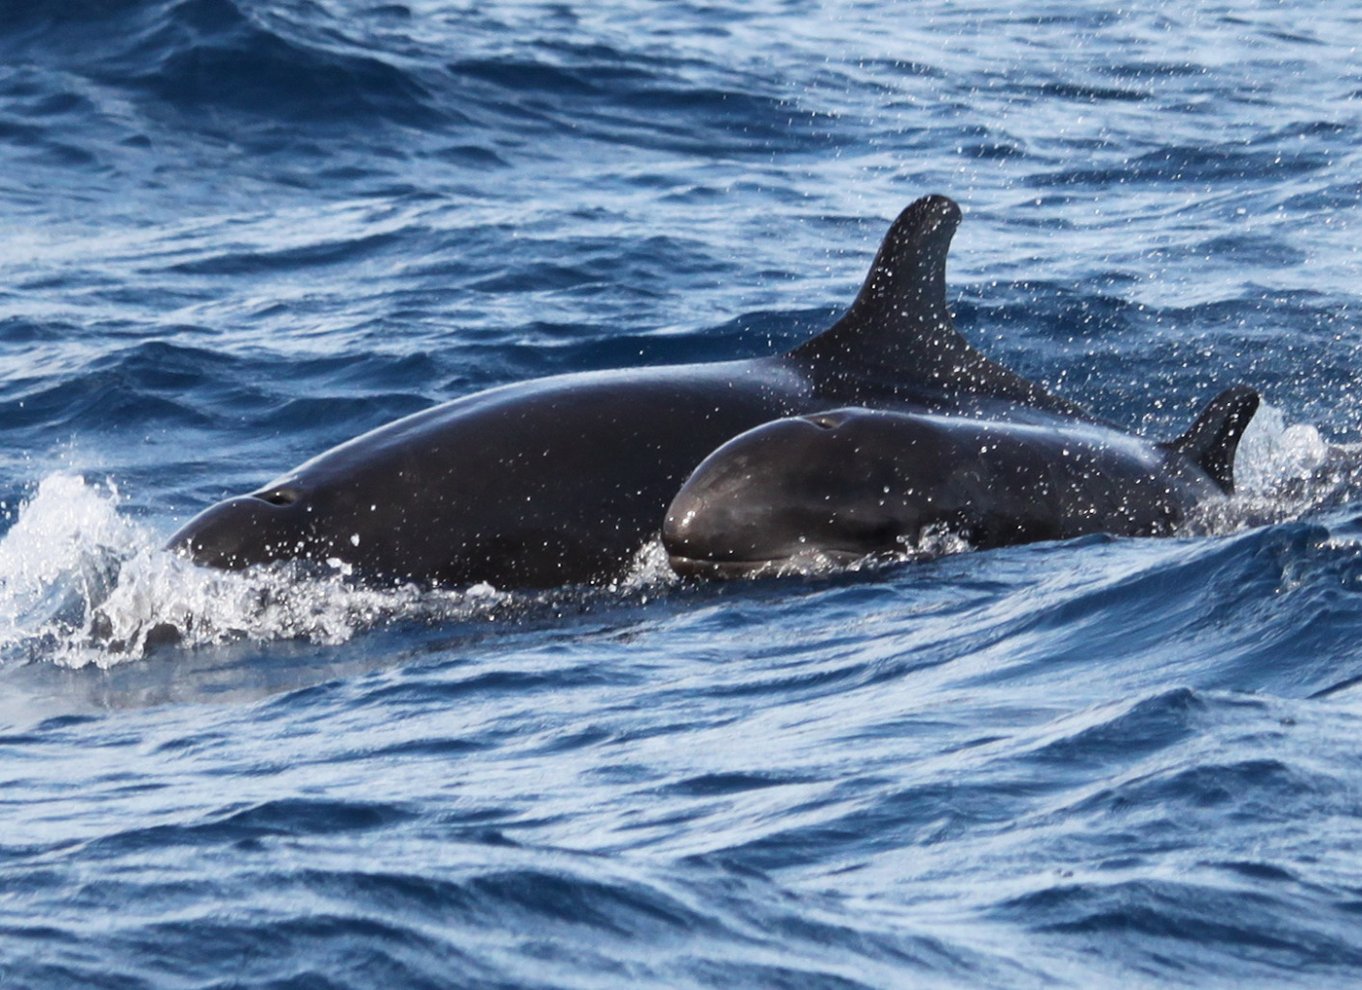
[
  {"x": 801, "y": 562},
  {"x": 703, "y": 567}
]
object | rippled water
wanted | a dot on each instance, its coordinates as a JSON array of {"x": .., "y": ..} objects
[{"x": 237, "y": 233}]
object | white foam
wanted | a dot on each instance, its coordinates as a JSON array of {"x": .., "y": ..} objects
[
  {"x": 64, "y": 542},
  {"x": 932, "y": 542},
  {"x": 648, "y": 571},
  {"x": 1282, "y": 471},
  {"x": 1272, "y": 453},
  {"x": 81, "y": 584}
]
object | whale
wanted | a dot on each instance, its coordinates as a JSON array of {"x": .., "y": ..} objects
[
  {"x": 803, "y": 493},
  {"x": 561, "y": 480}
]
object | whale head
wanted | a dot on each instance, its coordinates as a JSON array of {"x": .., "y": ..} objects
[
  {"x": 794, "y": 493},
  {"x": 268, "y": 525}
]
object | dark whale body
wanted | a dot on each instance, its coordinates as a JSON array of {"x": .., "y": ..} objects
[
  {"x": 561, "y": 479},
  {"x": 853, "y": 483}
]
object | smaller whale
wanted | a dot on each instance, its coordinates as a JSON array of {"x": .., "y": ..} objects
[{"x": 853, "y": 483}]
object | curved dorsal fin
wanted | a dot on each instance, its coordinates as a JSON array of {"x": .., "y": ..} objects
[
  {"x": 1211, "y": 442},
  {"x": 899, "y": 328},
  {"x": 901, "y": 307}
]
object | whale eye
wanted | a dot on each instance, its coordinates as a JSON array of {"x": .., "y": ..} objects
[
  {"x": 280, "y": 496},
  {"x": 824, "y": 422}
]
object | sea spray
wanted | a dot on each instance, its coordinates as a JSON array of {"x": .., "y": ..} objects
[{"x": 82, "y": 584}]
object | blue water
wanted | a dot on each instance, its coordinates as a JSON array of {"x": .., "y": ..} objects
[{"x": 236, "y": 232}]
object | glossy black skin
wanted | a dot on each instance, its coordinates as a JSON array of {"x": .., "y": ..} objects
[
  {"x": 535, "y": 484},
  {"x": 853, "y": 483},
  {"x": 560, "y": 480}
]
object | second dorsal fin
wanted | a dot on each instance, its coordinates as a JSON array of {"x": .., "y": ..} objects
[
  {"x": 899, "y": 329},
  {"x": 1211, "y": 442}
]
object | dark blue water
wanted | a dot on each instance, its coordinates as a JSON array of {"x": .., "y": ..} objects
[{"x": 236, "y": 233}]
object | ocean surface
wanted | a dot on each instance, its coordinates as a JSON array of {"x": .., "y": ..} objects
[{"x": 237, "y": 232}]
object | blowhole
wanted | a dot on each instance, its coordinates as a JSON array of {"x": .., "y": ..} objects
[{"x": 280, "y": 496}]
